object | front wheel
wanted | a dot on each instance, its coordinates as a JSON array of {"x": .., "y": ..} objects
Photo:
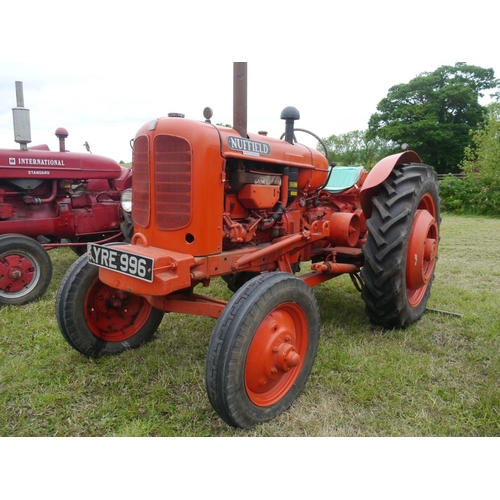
[
  {"x": 402, "y": 245},
  {"x": 96, "y": 319},
  {"x": 25, "y": 269},
  {"x": 262, "y": 349}
]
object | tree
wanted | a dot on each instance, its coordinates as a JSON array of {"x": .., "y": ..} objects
[
  {"x": 479, "y": 192},
  {"x": 482, "y": 163},
  {"x": 435, "y": 112},
  {"x": 355, "y": 148},
  {"x": 483, "y": 156}
]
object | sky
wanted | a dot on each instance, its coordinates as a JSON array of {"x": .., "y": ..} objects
[{"x": 102, "y": 72}]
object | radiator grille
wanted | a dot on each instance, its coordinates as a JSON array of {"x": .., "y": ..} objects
[
  {"x": 172, "y": 182},
  {"x": 140, "y": 182}
]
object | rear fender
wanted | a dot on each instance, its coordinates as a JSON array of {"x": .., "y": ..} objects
[{"x": 379, "y": 173}]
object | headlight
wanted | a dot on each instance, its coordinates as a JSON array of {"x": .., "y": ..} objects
[{"x": 126, "y": 200}]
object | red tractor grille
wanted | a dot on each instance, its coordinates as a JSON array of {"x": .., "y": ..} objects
[
  {"x": 140, "y": 182},
  {"x": 172, "y": 179}
]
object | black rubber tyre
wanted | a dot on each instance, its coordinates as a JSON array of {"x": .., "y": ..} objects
[
  {"x": 401, "y": 249},
  {"x": 262, "y": 349},
  {"x": 81, "y": 242},
  {"x": 98, "y": 320},
  {"x": 25, "y": 269},
  {"x": 237, "y": 280},
  {"x": 78, "y": 250}
]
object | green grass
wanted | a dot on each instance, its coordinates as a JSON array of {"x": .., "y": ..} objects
[{"x": 437, "y": 378}]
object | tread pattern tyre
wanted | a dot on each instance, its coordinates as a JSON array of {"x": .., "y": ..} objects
[
  {"x": 25, "y": 269},
  {"x": 401, "y": 248},
  {"x": 262, "y": 349},
  {"x": 98, "y": 320}
]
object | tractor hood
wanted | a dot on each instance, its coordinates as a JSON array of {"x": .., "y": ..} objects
[{"x": 38, "y": 163}]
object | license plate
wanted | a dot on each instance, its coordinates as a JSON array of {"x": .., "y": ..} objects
[{"x": 122, "y": 262}]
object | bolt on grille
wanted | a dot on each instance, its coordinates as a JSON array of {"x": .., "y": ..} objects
[
  {"x": 141, "y": 182},
  {"x": 172, "y": 182}
]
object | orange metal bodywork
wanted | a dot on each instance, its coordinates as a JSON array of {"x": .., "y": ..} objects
[
  {"x": 379, "y": 173},
  {"x": 209, "y": 203},
  {"x": 202, "y": 235},
  {"x": 206, "y": 191}
]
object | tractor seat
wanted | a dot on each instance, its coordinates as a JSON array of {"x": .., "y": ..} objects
[{"x": 343, "y": 178}]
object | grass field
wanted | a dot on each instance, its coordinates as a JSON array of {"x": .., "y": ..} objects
[{"x": 440, "y": 377}]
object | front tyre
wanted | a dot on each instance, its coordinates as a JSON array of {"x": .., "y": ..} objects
[
  {"x": 262, "y": 349},
  {"x": 25, "y": 269},
  {"x": 98, "y": 320},
  {"x": 402, "y": 246}
]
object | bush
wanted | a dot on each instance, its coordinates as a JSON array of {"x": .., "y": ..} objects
[
  {"x": 479, "y": 192},
  {"x": 473, "y": 195},
  {"x": 453, "y": 193}
]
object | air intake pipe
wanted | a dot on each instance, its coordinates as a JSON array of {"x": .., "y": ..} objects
[{"x": 290, "y": 114}]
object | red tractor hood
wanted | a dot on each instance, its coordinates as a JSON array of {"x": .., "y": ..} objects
[{"x": 19, "y": 164}]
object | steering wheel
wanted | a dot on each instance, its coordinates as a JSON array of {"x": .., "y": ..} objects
[{"x": 310, "y": 133}]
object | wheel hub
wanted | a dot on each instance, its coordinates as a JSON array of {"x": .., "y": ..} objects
[
  {"x": 118, "y": 300},
  {"x": 286, "y": 357},
  {"x": 114, "y": 315},
  {"x": 15, "y": 274},
  {"x": 422, "y": 250},
  {"x": 275, "y": 355},
  {"x": 19, "y": 272}
]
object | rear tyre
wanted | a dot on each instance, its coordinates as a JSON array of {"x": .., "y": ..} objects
[
  {"x": 98, "y": 320},
  {"x": 401, "y": 248},
  {"x": 262, "y": 349},
  {"x": 25, "y": 269}
]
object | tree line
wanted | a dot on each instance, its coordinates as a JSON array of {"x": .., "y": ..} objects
[{"x": 438, "y": 114}]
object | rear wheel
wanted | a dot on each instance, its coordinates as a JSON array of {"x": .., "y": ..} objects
[
  {"x": 401, "y": 248},
  {"x": 262, "y": 349},
  {"x": 25, "y": 269},
  {"x": 96, "y": 319}
]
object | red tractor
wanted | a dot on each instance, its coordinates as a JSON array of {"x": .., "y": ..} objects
[
  {"x": 51, "y": 199},
  {"x": 212, "y": 201}
]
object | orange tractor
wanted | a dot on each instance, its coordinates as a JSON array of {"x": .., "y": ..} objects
[{"x": 212, "y": 201}]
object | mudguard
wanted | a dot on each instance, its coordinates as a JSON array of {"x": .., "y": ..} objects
[{"x": 379, "y": 173}]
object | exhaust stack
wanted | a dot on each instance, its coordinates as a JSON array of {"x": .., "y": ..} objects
[
  {"x": 21, "y": 117},
  {"x": 240, "y": 98}
]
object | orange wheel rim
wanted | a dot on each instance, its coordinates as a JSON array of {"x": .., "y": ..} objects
[
  {"x": 113, "y": 315},
  {"x": 422, "y": 250},
  {"x": 276, "y": 354}
]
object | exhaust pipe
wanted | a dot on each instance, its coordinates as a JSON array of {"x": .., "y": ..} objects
[
  {"x": 240, "y": 98},
  {"x": 21, "y": 117}
]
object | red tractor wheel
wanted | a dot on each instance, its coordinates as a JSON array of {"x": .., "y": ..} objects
[
  {"x": 401, "y": 249},
  {"x": 96, "y": 319},
  {"x": 262, "y": 349},
  {"x": 25, "y": 269}
]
